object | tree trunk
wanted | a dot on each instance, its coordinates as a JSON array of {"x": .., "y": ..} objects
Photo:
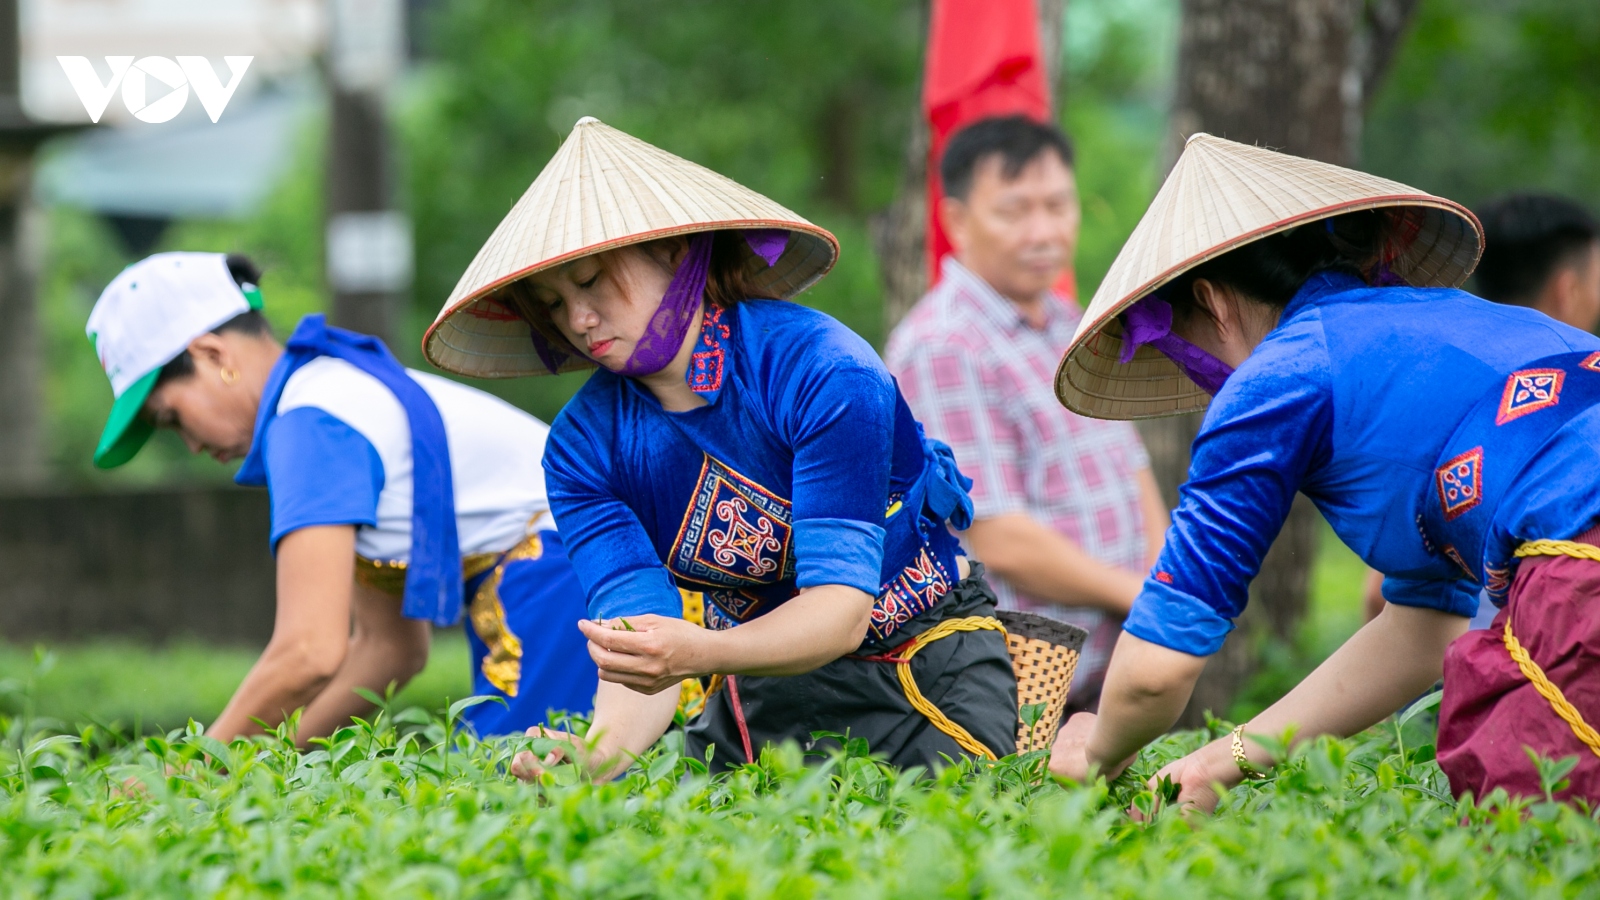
[
  {"x": 1052, "y": 35},
  {"x": 898, "y": 233},
  {"x": 367, "y": 248},
  {"x": 1293, "y": 75},
  {"x": 359, "y": 185}
]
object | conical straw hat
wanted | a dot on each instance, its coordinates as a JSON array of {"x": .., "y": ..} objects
[
  {"x": 1221, "y": 195},
  {"x": 604, "y": 189}
]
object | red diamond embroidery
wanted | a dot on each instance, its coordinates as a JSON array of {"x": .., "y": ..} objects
[
  {"x": 1529, "y": 391},
  {"x": 1592, "y": 363},
  {"x": 1460, "y": 483}
]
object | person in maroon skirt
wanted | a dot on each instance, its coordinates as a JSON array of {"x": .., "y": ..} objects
[{"x": 1453, "y": 443}]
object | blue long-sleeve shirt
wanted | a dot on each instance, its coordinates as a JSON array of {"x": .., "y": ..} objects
[
  {"x": 1350, "y": 400},
  {"x": 804, "y": 468}
]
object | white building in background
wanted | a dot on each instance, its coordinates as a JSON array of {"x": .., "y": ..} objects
[
  {"x": 194, "y": 151},
  {"x": 283, "y": 36}
]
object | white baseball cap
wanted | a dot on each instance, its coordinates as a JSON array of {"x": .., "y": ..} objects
[{"x": 144, "y": 318}]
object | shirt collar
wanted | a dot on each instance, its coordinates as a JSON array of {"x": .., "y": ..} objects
[
  {"x": 1321, "y": 285},
  {"x": 712, "y": 357},
  {"x": 312, "y": 329},
  {"x": 990, "y": 302}
]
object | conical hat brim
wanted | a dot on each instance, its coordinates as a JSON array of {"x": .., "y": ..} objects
[
  {"x": 602, "y": 190},
  {"x": 1219, "y": 196}
]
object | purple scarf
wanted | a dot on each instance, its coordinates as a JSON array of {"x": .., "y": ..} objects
[
  {"x": 680, "y": 306},
  {"x": 1150, "y": 322}
]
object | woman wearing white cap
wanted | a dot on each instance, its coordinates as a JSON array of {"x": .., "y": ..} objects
[
  {"x": 1449, "y": 441},
  {"x": 747, "y": 448},
  {"x": 396, "y": 496}
]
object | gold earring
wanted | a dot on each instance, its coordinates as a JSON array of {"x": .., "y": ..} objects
[{"x": 229, "y": 376}]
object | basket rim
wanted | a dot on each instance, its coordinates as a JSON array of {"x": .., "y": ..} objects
[{"x": 1033, "y": 626}]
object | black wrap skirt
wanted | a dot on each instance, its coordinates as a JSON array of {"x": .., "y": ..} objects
[{"x": 967, "y": 675}]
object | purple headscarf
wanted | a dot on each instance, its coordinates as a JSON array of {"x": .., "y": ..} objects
[
  {"x": 1150, "y": 322},
  {"x": 679, "y": 309},
  {"x": 680, "y": 306}
]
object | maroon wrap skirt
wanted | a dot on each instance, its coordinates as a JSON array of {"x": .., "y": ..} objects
[{"x": 1491, "y": 711}]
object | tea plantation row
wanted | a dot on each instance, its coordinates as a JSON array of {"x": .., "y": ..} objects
[{"x": 394, "y": 809}]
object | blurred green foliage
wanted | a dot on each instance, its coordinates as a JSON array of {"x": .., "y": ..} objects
[
  {"x": 808, "y": 103},
  {"x": 1117, "y": 87},
  {"x": 147, "y": 689},
  {"x": 811, "y": 104},
  {"x": 1488, "y": 96}
]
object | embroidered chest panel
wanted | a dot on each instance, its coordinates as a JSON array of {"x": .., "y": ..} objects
[
  {"x": 737, "y": 539},
  {"x": 735, "y": 532}
]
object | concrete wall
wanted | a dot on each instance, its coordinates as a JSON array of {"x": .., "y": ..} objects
[{"x": 146, "y": 566}]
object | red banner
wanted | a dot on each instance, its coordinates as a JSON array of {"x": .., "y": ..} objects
[{"x": 983, "y": 60}]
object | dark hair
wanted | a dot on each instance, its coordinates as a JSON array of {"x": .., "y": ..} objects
[
  {"x": 1271, "y": 270},
  {"x": 1018, "y": 140},
  {"x": 730, "y": 280},
  {"x": 1527, "y": 237},
  {"x": 250, "y": 322}
]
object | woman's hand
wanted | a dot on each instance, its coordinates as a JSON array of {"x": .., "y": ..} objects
[
  {"x": 1069, "y": 755},
  {"x": 1198, "y": 778},
  {"x": 625, "y": 724},
  {"x": 530, "y": 768},
  {"x": 647, "y": 653}
]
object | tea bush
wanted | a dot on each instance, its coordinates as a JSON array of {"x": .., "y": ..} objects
[{"x": 409, "y": 806}]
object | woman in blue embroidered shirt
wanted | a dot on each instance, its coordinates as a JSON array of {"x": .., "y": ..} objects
[
  {"x": 399, "y": 499},
  {"x": 1443, "y": 437},
  {"x": 748, "y": 449}
]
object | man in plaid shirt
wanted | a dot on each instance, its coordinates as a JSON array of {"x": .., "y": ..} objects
[{"x": 1068, "y": 517}]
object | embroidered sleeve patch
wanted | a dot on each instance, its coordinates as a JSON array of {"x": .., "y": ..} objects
[
  {"x": 1499, "y": 583},
  {"x": 914, "y": 591},
  {"x": 1529, "y": 391},
  {"x": 1460, "y": 483},
  {"x": 1592, "y": 363}
]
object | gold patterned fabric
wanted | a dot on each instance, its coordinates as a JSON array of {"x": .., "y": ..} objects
[
  {"x": 389, "y": 576},
  {"x": 502, "y": 665},
  {"x": 692, "y": 696}
]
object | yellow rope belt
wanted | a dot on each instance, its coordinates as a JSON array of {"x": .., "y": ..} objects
[
  {"x": 901, "y": 657},
  {"x": 1530, "y": 669}
]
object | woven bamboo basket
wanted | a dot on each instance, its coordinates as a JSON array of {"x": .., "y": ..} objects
[{"x": 1044, "y": 654}]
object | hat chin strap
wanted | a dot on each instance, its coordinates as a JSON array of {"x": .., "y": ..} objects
[
  {"x": 1150, "y": 322},
  {"x": 680, "y": 306}
]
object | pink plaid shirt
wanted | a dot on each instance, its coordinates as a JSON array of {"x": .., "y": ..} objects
[{"x": 979, "y": 378}]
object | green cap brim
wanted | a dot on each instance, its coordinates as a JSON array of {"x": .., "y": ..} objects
[{"x": 126, "y": 431}]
